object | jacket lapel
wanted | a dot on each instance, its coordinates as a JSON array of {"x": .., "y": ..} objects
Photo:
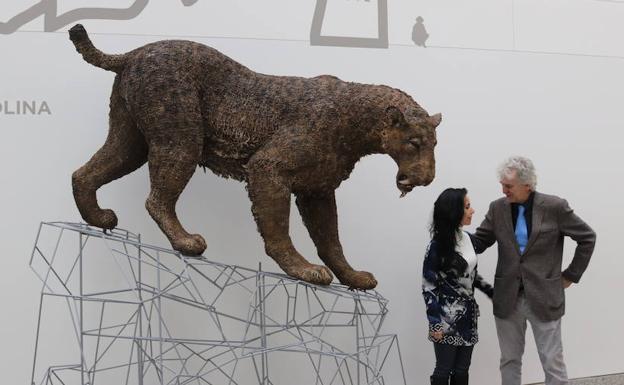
[
  {"x": 536, "y": 223},
  {"x": 508, "y": 223}
]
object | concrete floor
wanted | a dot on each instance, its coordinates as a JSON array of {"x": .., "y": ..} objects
[{"x": 614, "y": 379}]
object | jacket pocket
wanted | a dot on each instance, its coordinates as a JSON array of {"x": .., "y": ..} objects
[
  {"x": 549, "y": 228},
  {"x": 501, "y": 287},
  {"x": 553, "y": 288}
]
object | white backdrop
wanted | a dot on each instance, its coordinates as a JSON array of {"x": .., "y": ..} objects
[{"x": 539, "y": 79}]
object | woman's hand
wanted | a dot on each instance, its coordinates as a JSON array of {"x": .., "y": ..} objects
[{"x": 437, "y": 336}]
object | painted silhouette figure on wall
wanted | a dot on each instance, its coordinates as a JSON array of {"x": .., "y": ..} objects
[
  {"x": 419, "y": 33},
  {"x": 52, "y": 21}
]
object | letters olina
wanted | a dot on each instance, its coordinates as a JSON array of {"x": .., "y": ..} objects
[{"x": 23, "y": 107}]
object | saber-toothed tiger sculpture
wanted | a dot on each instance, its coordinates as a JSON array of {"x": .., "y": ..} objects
[{"x": 180, "y": 104}]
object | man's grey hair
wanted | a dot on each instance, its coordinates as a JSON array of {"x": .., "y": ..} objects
[{"x": 525, "y": 171}]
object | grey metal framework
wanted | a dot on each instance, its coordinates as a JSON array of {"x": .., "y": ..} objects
[{"x": 126, "y": 312}]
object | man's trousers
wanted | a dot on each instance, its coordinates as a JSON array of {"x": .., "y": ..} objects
[{"x": 547, "y": 334}]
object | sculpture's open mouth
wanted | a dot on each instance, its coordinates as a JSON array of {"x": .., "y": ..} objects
[{"x": 405, "y": 186}]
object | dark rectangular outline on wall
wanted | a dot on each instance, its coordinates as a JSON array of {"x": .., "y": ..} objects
[{"x": 340, "y": 41}]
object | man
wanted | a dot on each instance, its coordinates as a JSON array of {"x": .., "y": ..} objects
[{"x": 529, "y": 228}]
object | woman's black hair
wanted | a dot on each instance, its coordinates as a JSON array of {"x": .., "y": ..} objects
[{"x": 448, "y": 211}]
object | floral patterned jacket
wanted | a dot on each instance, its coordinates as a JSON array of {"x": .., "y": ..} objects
[{"x": 449, "y": 297}]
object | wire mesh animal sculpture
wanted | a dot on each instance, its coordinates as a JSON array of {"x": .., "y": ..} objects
[{"x": 180, "y": 104}]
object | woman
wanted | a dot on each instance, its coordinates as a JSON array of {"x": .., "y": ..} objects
[{"x": 449, "y": 278}]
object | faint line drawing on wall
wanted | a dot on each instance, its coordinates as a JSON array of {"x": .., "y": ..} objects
[
  {"x": 52, "y": 21},
  {"x": 381, "y": 41}
]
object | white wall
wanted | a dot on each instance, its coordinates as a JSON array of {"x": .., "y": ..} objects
[{"x": 534, "y": 78}]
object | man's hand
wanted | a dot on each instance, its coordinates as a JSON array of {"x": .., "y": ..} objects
[
  {"x": 437, "y": 335},
  {"x": 566, "y": 283}
]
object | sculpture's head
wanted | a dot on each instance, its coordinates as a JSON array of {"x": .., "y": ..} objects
[{"x": 410, "y": 142}]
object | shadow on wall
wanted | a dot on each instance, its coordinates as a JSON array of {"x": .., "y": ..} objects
[{"x": 53, "y": 22}]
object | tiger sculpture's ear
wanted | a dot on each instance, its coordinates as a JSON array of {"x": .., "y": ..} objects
[{"x": 435, "y": 120}]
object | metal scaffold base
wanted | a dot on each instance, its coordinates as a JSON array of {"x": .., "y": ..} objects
[{"x": 114, "y": 310}]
